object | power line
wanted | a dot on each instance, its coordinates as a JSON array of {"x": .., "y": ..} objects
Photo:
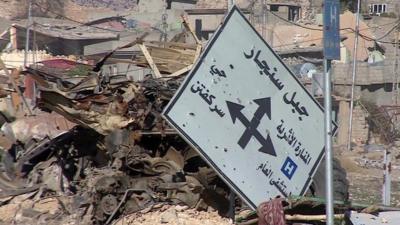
[
  {"x": 85, "y": 24},
  {"x": 72, "y": 20},
  {"x": 388, "y": 32},
  {"x": 348, "y": 28},
  {"x": 291, "y": 22},
  {"x": 349, "y": 31}
]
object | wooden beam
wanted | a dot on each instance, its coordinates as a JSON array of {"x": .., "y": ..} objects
[
  {"x": 179, "y": 72},
  {"x": 198, "y": 52},
  {"x": 15, "y": 86},
  {"x": 158, "y": 60},
  {"x": 177, "y": 45},
  {"x": 152, "y": 65},
  {"x": 190, "y": 29},
  {"x": 13, "y": 37}
]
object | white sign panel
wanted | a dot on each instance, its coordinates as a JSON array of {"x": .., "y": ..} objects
[{"x": 249, "y": 116}]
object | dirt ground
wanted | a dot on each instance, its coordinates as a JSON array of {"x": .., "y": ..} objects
[
  {"x": 25, "y": 211},
  {"x": 365, "y": 176}
]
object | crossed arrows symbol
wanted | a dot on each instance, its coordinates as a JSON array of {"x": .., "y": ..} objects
[{"x": 264, "y": 108}]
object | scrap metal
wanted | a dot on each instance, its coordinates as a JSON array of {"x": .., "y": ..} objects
[{"x": 121, "y": 157}]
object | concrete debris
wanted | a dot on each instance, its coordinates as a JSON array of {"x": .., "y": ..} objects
[
  {"x": 38, "y": 127},
  {"x": 102, "y": 178},
  {"x": 118, "y": 158},
  {"x": 97, "y": 150},
  {"x": 106, "y": 102},
  {"x": 387, "y": 218},
  {"x": 115, "y": 156},
  {"x": 173, "y": 216}
]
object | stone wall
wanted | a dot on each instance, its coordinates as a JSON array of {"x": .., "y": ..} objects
[
  {"x": 391, "y": 5},
  {"x": 360, "y": 129},
  {"x": 373, "y": 82},
  {"x": 366, "y": 73},
  {"x": 380, "y": 94}
]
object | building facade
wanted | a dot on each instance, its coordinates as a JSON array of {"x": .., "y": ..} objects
[{"x": 379, "y": 7}]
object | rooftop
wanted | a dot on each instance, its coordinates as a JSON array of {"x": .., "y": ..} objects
[
  {"x": 66, "y": 29},
  {"x": 210, "y": 11},
  {"x": 302, "y": 37}
]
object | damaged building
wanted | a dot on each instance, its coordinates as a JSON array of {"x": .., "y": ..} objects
[{"x": 87, "y": 131}]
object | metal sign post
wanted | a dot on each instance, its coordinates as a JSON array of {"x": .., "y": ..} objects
[
  {"x": 387, "y": 167},
  {"x": 249, "y": 116},
  {"x": 328, "y": 142},
  {"x": 331, "y": 51}
]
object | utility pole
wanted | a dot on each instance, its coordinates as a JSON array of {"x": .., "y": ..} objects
[
  {"x": 353, "y": 80},
  {"x": 397, "y": 56},
  {"x": 164, "y": 23},
  {"x": 28, "y": 27},
  {"x": 395, "y": 86},
  {"x": 264, "y": 23},
  {"x": 231, "y": 3},
  {"x": 34, "y": 44},
  {"x": 386, "y": 190},
  {"x": 251, "y": 7}
]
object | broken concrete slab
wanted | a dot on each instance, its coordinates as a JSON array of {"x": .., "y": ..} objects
[{"x": 387, "y": 218}]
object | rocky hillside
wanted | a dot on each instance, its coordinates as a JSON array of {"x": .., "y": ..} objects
[{"x": 11, "y": 9}]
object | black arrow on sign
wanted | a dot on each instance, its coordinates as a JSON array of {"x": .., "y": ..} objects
[{"x": 264, "y": 108}]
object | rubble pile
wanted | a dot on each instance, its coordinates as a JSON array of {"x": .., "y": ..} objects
[
  {"x": 103, "y": 175},
  {"x": 104, "y": 103},
  {"x": 174, "y": 215},
  {"x": 119, "y": 157}
]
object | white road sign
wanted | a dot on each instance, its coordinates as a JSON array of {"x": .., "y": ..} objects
[{"x": 249, "y": 116}]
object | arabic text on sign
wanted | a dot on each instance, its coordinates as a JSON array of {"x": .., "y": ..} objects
[
  {"x": 291, "y": 139},
  {"x": 204, "y": 93},
  {"x": 277, "y": 182}
]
